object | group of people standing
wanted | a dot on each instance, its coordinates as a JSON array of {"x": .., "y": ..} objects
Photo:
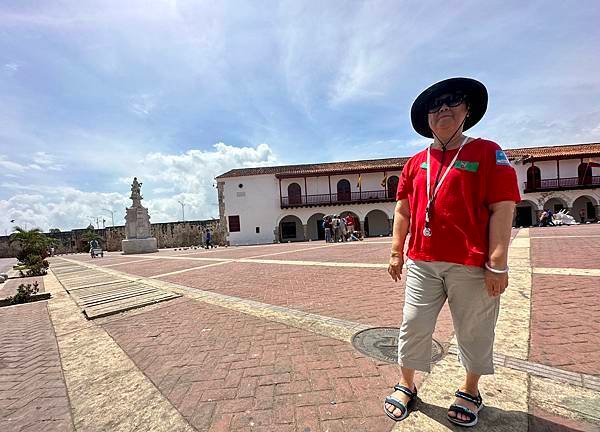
[{"x": 340, "y": 228}]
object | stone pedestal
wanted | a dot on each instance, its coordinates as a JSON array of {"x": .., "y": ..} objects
[
  {"x": 137, "y": 225},
  {"x": 139, "y": 246}
]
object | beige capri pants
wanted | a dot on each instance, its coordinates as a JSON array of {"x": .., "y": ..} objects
[{"x": 474, "y": 314}]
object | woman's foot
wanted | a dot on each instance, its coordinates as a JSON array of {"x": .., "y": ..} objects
[
  {"x": 465, "y": 398},
  {"x": 404, "y": 398}
]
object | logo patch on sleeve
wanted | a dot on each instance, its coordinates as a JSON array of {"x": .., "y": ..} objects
[
  {"x": 501, "y": 158},
  {"x": 424, "y": 165}
]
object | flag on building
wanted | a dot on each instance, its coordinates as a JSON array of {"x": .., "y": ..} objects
[
  {"x": 384, "y": 181},
  {"x": 359, "y": 184}
]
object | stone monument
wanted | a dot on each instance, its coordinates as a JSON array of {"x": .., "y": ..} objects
[{"x": 137, "y": 225}]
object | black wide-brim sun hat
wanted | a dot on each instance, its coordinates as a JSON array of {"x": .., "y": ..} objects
[{"x": 477, "y": 99}]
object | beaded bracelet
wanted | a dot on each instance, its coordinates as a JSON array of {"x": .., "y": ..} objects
[{"x": 493, "y": 270}]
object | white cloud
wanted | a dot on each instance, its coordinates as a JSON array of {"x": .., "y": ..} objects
[
  {"x": 6, "y": 164},
  {"x": 11, "y": 68},
  {"x": 42, "y": 161},
  {"x": 47, "y": 161},
  {"x": 167, "y": 179},
  {"x": 56, "y": 207},
  {"x": 142, "y": 105}
]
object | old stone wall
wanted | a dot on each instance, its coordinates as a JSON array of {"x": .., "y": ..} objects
[{"x": 168, "y": 235}]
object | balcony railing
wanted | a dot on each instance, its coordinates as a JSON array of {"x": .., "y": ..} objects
[
  {"x": 336, "y": 198},
  {"x": 562, "y": 183}
]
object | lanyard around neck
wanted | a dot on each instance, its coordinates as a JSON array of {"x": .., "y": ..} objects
[{"x": 430, "y": 196}]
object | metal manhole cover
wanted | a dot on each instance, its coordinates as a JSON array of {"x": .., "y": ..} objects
[{"x": 382, "y": 343}]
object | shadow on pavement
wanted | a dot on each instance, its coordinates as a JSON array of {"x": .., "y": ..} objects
[{"x": 492, "y": 418}]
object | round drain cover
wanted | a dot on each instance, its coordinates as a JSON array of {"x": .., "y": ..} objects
[{"x": 382, "y": 343}]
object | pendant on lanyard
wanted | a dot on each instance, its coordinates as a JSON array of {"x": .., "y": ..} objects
[{"x": 430, "y": 196}]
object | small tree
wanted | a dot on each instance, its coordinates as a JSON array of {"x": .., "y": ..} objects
[
  {"x": 54, "y": 231},
  {"x": 33, "y": 246}
]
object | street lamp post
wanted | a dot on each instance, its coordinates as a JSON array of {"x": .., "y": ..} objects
[
  {"x": 182, "y": 210},
  {"x": 112, "y": 216}
]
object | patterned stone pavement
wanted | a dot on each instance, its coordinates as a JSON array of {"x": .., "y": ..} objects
[
  {"x": 224, "y": 365},
  {"x": 33, "y": 396},
  {"x": 235, "y": 372}
]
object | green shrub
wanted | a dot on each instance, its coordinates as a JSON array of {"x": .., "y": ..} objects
[
  {"x": 35, "y": 265},
  {"x": 24, "y": 293}
]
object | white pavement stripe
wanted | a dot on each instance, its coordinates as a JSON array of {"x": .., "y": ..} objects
[
  {"x": 564, "y": 237},
  {"x": 188, "y": 270},
  {"x": 313, "y": 263},
  {"x": 566, "y": 271},
  {"x": 130, "y": 262},
  {"x": 282, "y": 262},
  {"x": 295, "y": 250}
]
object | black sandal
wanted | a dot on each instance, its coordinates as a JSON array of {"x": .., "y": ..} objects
[
  {"x": 459, "y": 409},
  {"x": 399, "y": 404}
]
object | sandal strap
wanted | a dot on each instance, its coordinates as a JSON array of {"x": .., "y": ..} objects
[
  {"x": 397, "y": 403},
  {"x": 468, "y": 397},
  {"x": 405, "y": 390},
  {"x": 462, "y": 410}
]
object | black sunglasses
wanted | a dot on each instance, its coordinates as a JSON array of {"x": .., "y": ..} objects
[{"x": 451, "y": 100}]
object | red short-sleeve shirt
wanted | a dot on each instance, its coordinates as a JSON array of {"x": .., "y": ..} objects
[{"x": 481, "y": 175}]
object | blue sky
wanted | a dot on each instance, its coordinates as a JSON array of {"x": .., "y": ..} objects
[{"x": 176, "y": 92}]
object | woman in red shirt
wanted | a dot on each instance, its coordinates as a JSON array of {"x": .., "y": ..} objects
[{"x": 457, "y": 198}]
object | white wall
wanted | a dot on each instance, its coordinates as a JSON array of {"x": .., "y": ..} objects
[{"x": 259, "y": 207}]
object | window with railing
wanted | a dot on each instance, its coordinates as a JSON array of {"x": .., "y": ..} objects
[
  {"x": 343, "y": 190},
  {"x": 584, "y": 174},
  {"x": 295, "y": 194},
  {"x": 392, "y": 187},
  {"x": 534, "y": 177}
]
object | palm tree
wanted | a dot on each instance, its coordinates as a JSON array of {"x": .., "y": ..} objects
[{"x": 32, "y": 241}]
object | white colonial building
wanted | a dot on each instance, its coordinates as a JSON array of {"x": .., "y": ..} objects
[{"x": 288, "y": 203}]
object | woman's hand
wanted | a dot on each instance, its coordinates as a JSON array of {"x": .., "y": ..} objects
[
  {"x": 395, "y": 267},
  {"x": 495, "y": 283}
]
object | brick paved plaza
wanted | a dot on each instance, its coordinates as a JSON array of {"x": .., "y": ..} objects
[{"x": 260, "y": 341}]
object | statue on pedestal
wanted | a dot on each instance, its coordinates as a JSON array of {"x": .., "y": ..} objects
[{"x": 137, "y": 224}]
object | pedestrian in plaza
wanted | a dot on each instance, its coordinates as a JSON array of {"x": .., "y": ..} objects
[
  {"x": 457, "y": 199},
  {"x": 209, "y": 239},
  {"x": 550, "y": 218},
  {"x": 343, "y": 229},
  {"x": 337, "y": 230},
  {"x": 582, "y": 215},
  {"x": 327, "y": 228},
  {"x": 350, "y": 223}
]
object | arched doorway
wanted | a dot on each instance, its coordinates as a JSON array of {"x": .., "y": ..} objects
[
  {"x": 555, "y": 204},
  {"x": 291, "y": 229},
  {"x": 354, "y": 216},
  {"x": 534, "y": 178},
  {"x": 392, "y": 187},
  {"x": 376, "y": 224},
  {"x": 294, "y": 194},
  {"x": 343, "y": 190},
  {"x": 525, "y": 214},
  {"x": 315, "y": 227},
  {"x": 584, "y": 174},
  {"x": 584, "y": 206}
]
